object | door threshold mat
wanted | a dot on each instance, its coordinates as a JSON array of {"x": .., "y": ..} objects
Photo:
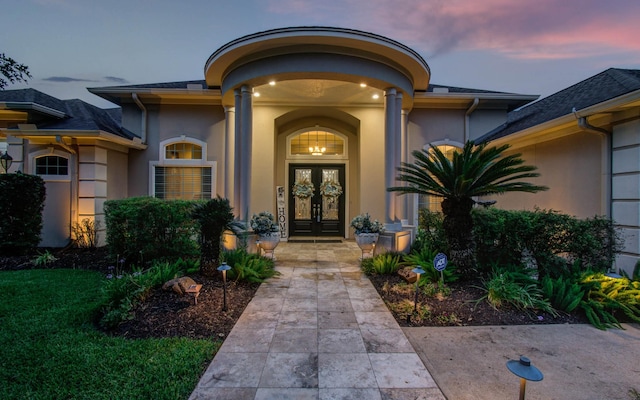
[{"x": 315, "y": 241}]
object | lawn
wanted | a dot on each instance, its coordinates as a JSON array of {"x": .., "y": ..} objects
[{"x": 51, "y": 349}]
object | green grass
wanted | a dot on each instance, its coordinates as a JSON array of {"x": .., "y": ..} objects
[{"x": 50, "y": 348}]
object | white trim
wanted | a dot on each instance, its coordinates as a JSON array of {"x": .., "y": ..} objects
[
  {"x": 445, "y": 142},
  {"x": 31, "y": 167},
  {"x": 181, "y": 162}
]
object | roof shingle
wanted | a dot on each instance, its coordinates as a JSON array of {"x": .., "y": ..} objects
[{"x": 604, "y": 86}]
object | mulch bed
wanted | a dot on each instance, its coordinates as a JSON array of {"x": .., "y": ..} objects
[
  {"x": 166, "y": 314},
  {"x": 463, "y": 303}
]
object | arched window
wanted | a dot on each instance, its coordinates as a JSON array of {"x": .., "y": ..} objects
[
  {"x": 182, "y": 171},
  {"x": 316, "y": 142},
  {"x": 52, "y": 165},
  {"x": 432, "y": 203}
]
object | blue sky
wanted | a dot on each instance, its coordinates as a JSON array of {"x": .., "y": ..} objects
[{"x": 520, "y": 46}]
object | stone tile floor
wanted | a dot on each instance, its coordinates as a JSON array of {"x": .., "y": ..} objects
[{"x": 318, "y": 331}]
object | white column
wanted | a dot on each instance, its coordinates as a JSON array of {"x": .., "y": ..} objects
[
  {"x": 404, "y": 156},
  {"x": 389, "y": 154},
  {"x": 400, "y": 147},
  {"x": 229, "y": 149},
  {"x": 246, "y": 133},
  {"x": 237, "y": 155}
]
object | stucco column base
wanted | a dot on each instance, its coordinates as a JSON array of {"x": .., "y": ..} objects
[{"x": 399, "y": 241}]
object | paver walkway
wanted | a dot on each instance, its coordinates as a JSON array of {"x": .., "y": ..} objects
[{"x": 318, "y": 331}]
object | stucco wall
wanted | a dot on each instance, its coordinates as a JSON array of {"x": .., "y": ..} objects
[
  {"x": 431, "y": 125},
  {"x": 204, "y": 123},
  {"x": 117, "y": 176},
  {"x": 572, "y": 168}
]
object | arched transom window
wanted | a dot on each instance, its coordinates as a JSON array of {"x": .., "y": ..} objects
[{"x": 316, "y": 142}]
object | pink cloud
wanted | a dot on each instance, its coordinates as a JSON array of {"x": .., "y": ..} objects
[{"x": 520, "y": 29}]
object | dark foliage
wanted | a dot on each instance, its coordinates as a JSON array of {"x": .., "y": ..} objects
[
  {"x": 21, "y": 203},
  {"x": 146, "y": 228},
  {"x": 213, "y": 217}
]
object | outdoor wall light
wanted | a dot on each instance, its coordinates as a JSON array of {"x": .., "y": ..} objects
[
  {"x": 6, "y": 160},
  {"x": 527, "y": 372},
  {"x": 224, "y": 268}
]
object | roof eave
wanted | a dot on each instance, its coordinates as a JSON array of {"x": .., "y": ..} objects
[
  {"x": 31, "y": 106},
  {"x": 77, "y": 134},
  {"x": 115, "y": 95}
]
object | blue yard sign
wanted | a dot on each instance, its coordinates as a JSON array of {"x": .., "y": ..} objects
[{"x": 440, "y": 262}]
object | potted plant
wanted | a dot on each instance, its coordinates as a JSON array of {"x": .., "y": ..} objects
[
  {"x": 367, "y": 232},
  {"x": 264, "y": 225}
]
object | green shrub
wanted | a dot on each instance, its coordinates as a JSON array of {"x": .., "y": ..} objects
[
  {"x": 424, "y": 257},
  {"x": 508, "y": 288},
  {"x": 547, "y": 240},
  {"x": 42, "y": 260},
  {"x": 21, "y": 203},
  {"x": 213, "y": 216},
  {"x": 248, "y": 267},
  {"x": 382, "y": 264},
  {"x": 157, "y": 229},
  {"x": 606, "y": 296},
  {"x": 124, "y": 292},
  {"x": 563, "y": 293},
  {"x": 430, "y": 231}
]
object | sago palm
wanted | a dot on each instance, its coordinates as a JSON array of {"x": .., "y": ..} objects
[{"x": 475, "y": 171}]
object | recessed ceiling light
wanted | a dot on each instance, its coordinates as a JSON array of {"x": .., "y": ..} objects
[
  {"x": 272, "y": 83},
  {"x": 256, "y": 94},
  {"x": 363, "y": 85},
  {"x": 375, "y": 96}
]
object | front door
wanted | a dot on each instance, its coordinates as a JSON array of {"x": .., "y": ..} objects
[{"x": 316, "y": 200}]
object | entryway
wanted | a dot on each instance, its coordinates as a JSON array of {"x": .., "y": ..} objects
[{"x": 316, "y": 200}]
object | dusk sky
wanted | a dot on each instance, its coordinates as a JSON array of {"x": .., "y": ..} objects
[{"x": 519, "y": 46}]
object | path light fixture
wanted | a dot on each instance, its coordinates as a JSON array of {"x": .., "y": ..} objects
[
  {"x": 224, "y": 268},
  {"x": 6, "y": 160},
  {"x": 418, "y": 271},
  {"x": 527, "y": 372}
]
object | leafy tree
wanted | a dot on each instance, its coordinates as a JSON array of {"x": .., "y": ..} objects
[
  {"x": 13, "y": 71},
  {"x": 475, "y": 171}
]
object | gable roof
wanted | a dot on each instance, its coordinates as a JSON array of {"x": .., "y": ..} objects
[{"x": 599, "y": 88}]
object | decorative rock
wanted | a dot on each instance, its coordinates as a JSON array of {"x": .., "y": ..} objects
[
  {"x": 407, "y": 274},
  {"x": 179, "y": 285}
]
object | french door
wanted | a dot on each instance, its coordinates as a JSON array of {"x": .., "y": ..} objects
[{"x": 316, "y": 200}]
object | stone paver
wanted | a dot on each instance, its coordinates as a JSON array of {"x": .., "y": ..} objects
[{"x": 319, "y": 330}]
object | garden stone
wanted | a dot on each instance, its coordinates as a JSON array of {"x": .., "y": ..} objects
[
  {"x": 179, "y": 285},
  {"x": 407, "y": 274}
]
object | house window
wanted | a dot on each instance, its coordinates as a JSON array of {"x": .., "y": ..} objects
[
  {"x": 433, "y": 203},
  {"x": 182, "y": 171},
  {"x": 52, "y": 165},
  {"x": 183, "y": 182},
  {"x": 316, "y": 142},
  {"x": 183, "y": 151}
]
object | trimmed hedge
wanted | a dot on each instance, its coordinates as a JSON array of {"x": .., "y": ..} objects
[
  {"x": 146, "y": 228},
  {"x": 21, "y": 203},
  {"x": 556, "y": 243}
]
